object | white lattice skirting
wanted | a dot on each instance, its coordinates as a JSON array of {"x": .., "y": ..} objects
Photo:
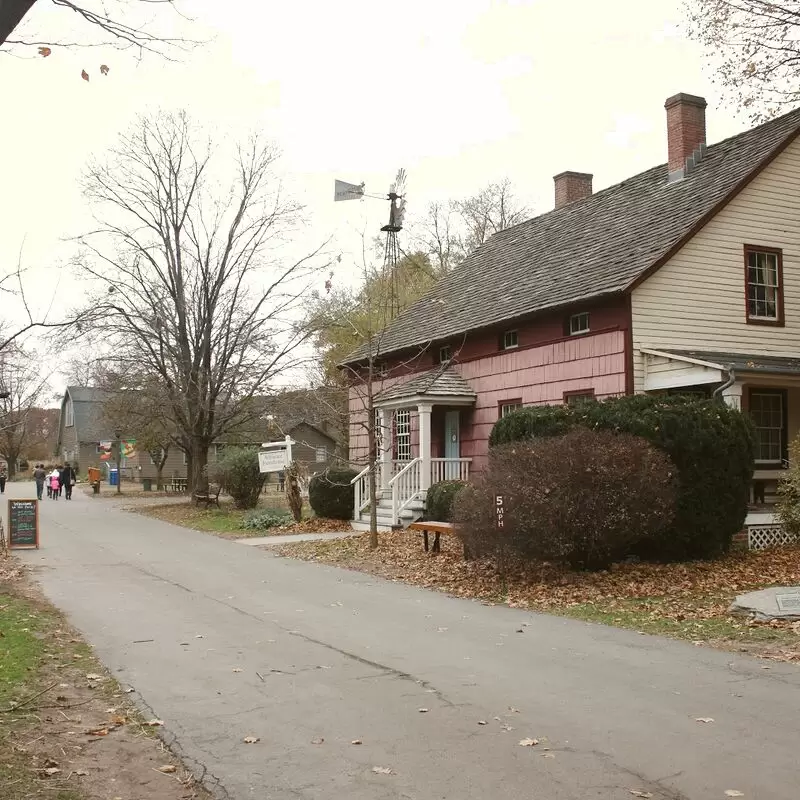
[{"x": 759, "y": 537}]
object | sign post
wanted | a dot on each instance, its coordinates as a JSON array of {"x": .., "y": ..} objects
[
  {"x": 275, "y": 456},
  {"x": 23, "y": 524},
  {"x": 501, "y": 527}
]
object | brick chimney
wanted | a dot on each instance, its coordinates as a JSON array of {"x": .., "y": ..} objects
[
  {"x": 686, "y": 132},
  {"x": 572, "y": 186}
]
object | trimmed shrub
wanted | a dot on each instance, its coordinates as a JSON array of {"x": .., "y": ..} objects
[
  {"x": 585, "y": 498},
  {"x": 331, "y": 495},
  {"x": 439, "y": 500},
  {"x": 710, "y": 444},
  {"x": 266, "y": 519},
  {"x": 237, "y": 472}
]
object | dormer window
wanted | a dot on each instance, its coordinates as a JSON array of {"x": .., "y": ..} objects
[
  {"x": 579, "y": 323},
  {"x": 445, "y": 354},
  {"x": 510, "y": 340},
  {"x": 764, "y": 281}
]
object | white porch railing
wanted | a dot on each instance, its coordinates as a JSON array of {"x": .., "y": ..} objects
[
  {"x": 450, "y": 469},
  {"x": 362, "y": 496},
  {"x": 406, "y": 486}
]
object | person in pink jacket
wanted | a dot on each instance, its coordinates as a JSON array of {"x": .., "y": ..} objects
[{"x": 55, "y": 483}]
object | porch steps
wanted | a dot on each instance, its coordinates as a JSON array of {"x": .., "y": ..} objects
[{"x": 410, "y": 514}]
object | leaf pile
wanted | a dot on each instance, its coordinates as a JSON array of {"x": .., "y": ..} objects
[{"x": 685, "y": 600}]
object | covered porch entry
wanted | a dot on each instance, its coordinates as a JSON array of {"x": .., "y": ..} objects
[
  {"x": 419, "y": 425},
  {"x": 765, "y": 387}
]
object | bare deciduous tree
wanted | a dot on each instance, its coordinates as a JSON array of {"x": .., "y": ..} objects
[
  {"x": 120, "y": 24},
  {"x": 449, "y": 232},
  {"x": 192, "y": 290},
  {"x": 755, "y": 47},
  {"x": 21, "y": 379}
]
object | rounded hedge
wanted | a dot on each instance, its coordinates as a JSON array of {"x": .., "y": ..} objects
[
  {"x": 331, "y": 495},
  {"x": 710, "y": 444},
  {"x": 439, "y": 500}
]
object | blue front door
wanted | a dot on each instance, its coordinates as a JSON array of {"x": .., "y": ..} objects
[{"x": 452, "y": 443}]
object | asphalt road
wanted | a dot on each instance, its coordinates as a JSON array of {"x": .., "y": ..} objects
[{"x": 329, "y": 657}]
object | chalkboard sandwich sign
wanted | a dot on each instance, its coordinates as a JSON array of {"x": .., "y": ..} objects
[{"x": 23, "y": 524}]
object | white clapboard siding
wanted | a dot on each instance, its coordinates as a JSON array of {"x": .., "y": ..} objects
[{"x": 696, "y": 301}]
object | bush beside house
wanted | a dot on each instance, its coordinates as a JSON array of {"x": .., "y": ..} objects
[
  {"x": 585, "y": 498},
  {"x": 439, "y": 500},
  {"x": 710, "y": 444},
  {"x": 331, "y": 494}
]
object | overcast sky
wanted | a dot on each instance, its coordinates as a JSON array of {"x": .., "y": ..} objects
[{"x": 459, "y": 92}]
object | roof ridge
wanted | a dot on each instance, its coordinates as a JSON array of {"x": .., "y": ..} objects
[{"x": 599, "y": 246}]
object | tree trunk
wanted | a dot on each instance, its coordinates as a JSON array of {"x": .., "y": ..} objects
[
  {"x": 159, "y": 477},
  {"x": 198, "y": 460}
]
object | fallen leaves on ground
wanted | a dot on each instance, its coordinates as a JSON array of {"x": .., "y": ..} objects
[
  {"x": 383, "y": 771},
  {"x": 313, "y": 525},
  {"x": 528, "y": 742},
  {"x": 639, "y": 793},
  {"x": 686, "y": 600},
  {"x": 703, "y": 719},
  {"x": 168, "y": 769},
  {"x": 251, "y": 739},
  {"x": 733, "y": 793}
]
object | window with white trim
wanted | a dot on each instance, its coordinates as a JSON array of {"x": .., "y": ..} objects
[
  {"x": 445, "y": 354},
  {"x": 579, "y": 323},
  {"x": 402, "y": 434},
  {"x": 156, "y": 456},
  {"x": 768, "y": 413},
  {"x": 321, "y": 454},
  {"x": 764, "y": 272},
  {"x": 510, "y": 407},
  {"x": 69, "y": 414},
  {"x": 510, "y": 340}
]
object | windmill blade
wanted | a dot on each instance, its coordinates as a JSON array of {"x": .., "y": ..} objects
[
  {"x": 399, "y": 185},
  {"x": 401, "y": 211}
]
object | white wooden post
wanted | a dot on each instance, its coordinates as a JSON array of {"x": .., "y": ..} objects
[
  {"x": 733, "y": 395},
  {"x": 288, "y": 450},
  {"x": 385, "y": 450},
  {"x": 424, "y": 412}
]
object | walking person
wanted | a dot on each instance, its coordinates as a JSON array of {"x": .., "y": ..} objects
[
  {"x": 3, "y": 479},
  {"x": 54, "y": 479},
  {"x": 40, "y": 476},
  {"x": 68, "y": 479}
]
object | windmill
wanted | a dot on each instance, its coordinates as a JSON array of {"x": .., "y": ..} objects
[{"x": 391, "y": 254}]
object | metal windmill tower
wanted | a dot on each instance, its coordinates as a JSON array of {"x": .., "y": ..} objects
[{"x": 391, "y": 254}]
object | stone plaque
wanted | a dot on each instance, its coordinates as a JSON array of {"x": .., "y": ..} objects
[{"x": 788, "y": 602}]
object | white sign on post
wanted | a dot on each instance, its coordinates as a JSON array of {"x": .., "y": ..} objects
[{"x": 275, "y": 456}]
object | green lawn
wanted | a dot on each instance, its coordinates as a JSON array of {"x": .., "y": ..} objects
[
  {"x": 22, "y": 648},
  {"x": 26, "y": 645}
]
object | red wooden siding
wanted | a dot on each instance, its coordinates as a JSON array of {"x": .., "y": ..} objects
[{"x": 537, "y": 375}]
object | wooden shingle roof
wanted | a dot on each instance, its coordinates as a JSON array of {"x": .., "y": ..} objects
[
  {"x": 436, "y": 382},
  {"x": 598, "y": 246}
]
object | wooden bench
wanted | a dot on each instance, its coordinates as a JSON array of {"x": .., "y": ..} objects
[
  {"x": 209, "y": 498},
  {"x": 437, "y": 529}
]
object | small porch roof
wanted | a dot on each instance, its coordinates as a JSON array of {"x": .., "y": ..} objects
[
  {"x": 671, "y": 368},
  {"x": 775, "y": 365},
  {"x": 436, "y": 386}
]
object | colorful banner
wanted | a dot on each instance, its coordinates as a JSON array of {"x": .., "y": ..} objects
[{"x": 108, "y": 450}]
